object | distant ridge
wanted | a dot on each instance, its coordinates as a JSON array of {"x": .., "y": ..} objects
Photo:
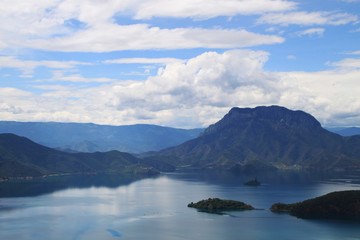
[
  {"x": 21, "y": 158},
  {"x": 88, "y": 137},
  {"x": 346, "y": 132},
  {"x": 268, "y": 137}
]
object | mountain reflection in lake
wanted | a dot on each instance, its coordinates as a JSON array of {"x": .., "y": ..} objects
[
  {"x": 39, "y": 186},
  {"x": 110, "y": 207}
]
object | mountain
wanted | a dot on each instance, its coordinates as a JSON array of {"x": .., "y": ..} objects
[
  {"x": 267, "y": 137},
  {"x": 88, "y": 137},
  {"x": 20, "y": 157},
  {"x": 346, "y": 132}
]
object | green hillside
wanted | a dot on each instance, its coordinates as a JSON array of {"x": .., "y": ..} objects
[
  {"x": 20, "y": 157},
  {"x": 270, "y": 136}
]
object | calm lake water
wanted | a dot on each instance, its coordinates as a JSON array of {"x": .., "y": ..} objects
[{"x": 103, "y": 207}]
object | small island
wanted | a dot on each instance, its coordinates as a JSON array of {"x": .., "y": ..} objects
[
  {"x": 253, "y": 182},
  {"x": 335, "y": 205},
  {"x": 216, "y": 204}
]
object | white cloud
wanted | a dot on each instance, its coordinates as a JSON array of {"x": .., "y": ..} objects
[
  {"x": 331, "y": 96},
  {"x": 355, "y": 53},
  {"x": 311, "y": 32},
  {"x": 113, "y": 37},
  {"x": 61, "y": 75},
  {"x": 144, "y": 60},
  {"x": 181, "y": 94},
  {"x": 28, "y": 66},
  {"x": 77, "y": 25},
  {"x": 14, "y": 102},
  {"x": 308, "y": 18},
  {"x": 196, "y": 93},
  {"x": 53, "y": 87},
  {"x": 207, "y": 8},
  {"x": 347, "y": 63},
  {"x": 291, "y": 57}
]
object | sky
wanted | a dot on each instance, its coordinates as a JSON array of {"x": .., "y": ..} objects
[{"x": 174, "y": 63}]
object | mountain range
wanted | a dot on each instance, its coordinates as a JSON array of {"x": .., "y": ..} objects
[
  {"x": 88, "y": 137},
  {"x": 21, "y": 157},
  {"x": 267, "y": 138},
  {"x": 244, "y": 140},
  {"x": 345, "y": 131}
]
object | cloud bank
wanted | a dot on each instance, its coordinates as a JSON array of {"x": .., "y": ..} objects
[{"x": 196, "y": 93}]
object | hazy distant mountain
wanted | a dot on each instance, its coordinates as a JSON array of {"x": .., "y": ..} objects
[
  {"x": 20, "y": 157},
  {"x": 87, "y": 137},
  {"x": 346, "y": 132},
  {"x": 267, "y": 137}
]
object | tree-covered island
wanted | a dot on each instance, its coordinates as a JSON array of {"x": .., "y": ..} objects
[{"x": 216, "y": 204}]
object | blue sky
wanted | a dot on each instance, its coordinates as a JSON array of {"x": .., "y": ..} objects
[{"x": 178, "y": 63}]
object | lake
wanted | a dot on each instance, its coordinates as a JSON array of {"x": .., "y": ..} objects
[{"x": 109, "y": 207}]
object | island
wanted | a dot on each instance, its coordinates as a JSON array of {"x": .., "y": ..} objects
[
  {"x": 217, "y": 204},
  {"x": 335, "y": 205},
  {"x": 253, "y": 182}
]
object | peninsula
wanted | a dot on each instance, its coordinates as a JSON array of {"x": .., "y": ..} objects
[{"x": 335, "y": 205}]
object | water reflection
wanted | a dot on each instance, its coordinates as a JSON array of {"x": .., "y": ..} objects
[
  {"x": 281, "y": 177},
  {"x": 36, "y": 187},
  {"x": 40, "y": 186}
]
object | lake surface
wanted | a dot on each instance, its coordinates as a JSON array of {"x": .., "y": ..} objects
[{"x": 94, "y": 207}]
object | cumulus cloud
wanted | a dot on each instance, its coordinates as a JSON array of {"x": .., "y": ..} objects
[
  {"x": 210, "y": 79},
  {"x": 308, "y": 18},
  {"x": 328, "y": 95},
  {"x": 184, "y": 94},
  {"x": 196, "y": 93}
]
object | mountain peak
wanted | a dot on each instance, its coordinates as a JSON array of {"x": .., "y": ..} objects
[
  {"x": 266, "y": 137},
  {"x": 277, "y": 115}
]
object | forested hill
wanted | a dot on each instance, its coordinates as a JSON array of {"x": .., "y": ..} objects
[
  {"x": 20, "y": 157},
  {"x": 268, "y": 137}
]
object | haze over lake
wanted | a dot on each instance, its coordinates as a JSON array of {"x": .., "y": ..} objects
[{"x": 156, "y": 208}]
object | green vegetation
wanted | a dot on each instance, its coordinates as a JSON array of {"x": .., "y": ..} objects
[
  {"x": 251, "y": 140},
  {"x": 22, "y": 158},
  {"x": 214, "y": 204},
  {"x": 338, "y": 205}
]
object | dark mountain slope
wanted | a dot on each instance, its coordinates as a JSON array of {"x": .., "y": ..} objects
[
  {"x": 88, "y": 137},
  {"x": 20, "y": 157},
  {"x": 270, "y": 135}
]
